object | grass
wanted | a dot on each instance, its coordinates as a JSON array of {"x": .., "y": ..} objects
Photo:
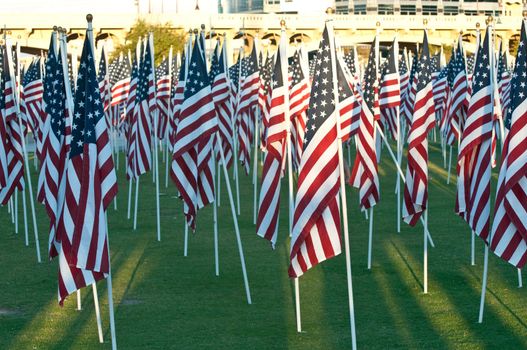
[{"x": 166, "y": 301}]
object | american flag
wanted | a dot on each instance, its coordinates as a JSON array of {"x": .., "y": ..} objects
[
  {"x": 130, "y": 117},
  {"x": 221, "y": 95},
  {"x": 416, "y": 186},
  {"x": 504, "y": 79},
  {"x": 265, "y": 93},
  {"x": 390, "y": 94},
  {"x": 104, "y": 81},
  {"x": 197, "y": 122},
  {"x": 31, "y": 101},
  {"x": 474, "y": 159},
  {"x": 11, "y": 156},
  {"x": 364, "y": 174},
  {"x": 409, "y": 96},
  {"x": 164, "y": 84},
  {"x": 298, "y": 104},
  {"x": 509, "y": 228},
  {"x": 90, "y": 187},
  {"x": 276, "y": 127},
  {"x": 177, "y": 99},
  {"x": 249, "y": 86},
  {"x": 145, "y": 105},
  {"x": 404, "y": 74},
  {"x": 439, "y": 85},
  {"x": 350, "y": 101},
  {"x": 56, "y": 129},
  {"x": 457, "y": 79},
  {"x": 120, "y": 81},
  {"x": 316, "y": 221}
]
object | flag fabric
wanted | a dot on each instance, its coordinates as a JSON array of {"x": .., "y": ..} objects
[
  {"x": 120, "y": 82},
  {"x": 409, "y": 96},
  {"x": 298, "y": 104},
  {"x": 509, "y": 228},
  {"x": 91, "y": 185},
  {"x": 131, "y": 119},
  {"x": 276, "y": 130},
  {"x": 11, "y": 155},
  {"x": 196, "y": 123},
  {"x": 222, "y": 100},
  {"x": 31, "y": 96},
  {"x": 163, "y": 93},
  {"x": 350, "y": 101},
  {"x": 316, "y": 220},
  {"x": 458, "y": 100},
  {"x": 474, "y": 159},
  {"x": 144, "y": 108},
  {"x": 416, "y": 185},
  {"x": 104, "y": 81},
  {"x": 56, "y": 128},
  {"x": 264, "y": 99},
  {"x": 504, "y": 79},
  {"x": 390, "y": 93},
  {"x": 439, "y": 86},
  {"x": 365, "y": 174}
]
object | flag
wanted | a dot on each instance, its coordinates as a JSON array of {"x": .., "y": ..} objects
[
  {"x": 91, "y": 185},
  {"x": 350, "y": 101},
  {"x": 509, "y": 228},
  {"x": 164, "y": 84},
  {"x": 474, "y": 159},
  {"x": 416, "y": 186},
  {"x": 504, "y": 79},
  {"x": 390, "y": 94},
  {"x": 458, "y": 100},
  {"x": 145, "y": 105},
  {"x": 298, "y": 104},
  {"x": 364, "y": 174},
  {"x": 31, "y": 96},
  {"x": 120, "y": 81},
  {"x": 222, "y": 100},
  {"x": 131, "y": 120},
  {"x": 316, "y": 220},
  {"x": 276, "y": 130},
  {"x": 11, "y": 155},
  {"x": 196, "y": 123},
  {"x": 104, "y": 81}
]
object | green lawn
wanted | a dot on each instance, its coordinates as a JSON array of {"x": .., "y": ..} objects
[{"x": 164, "y": 300}]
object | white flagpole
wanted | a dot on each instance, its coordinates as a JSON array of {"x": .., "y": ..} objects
[
  {"x": 472, "y": 248},
  {"x": 343, "y": 193},
  {"x": 425, "y": 253},
  {"x": 236, "y": 172},
  {"x": 156, "y": 152},
  {"x": 399, "y": 146},
  {"x": 26, "y": 162},
  {"x": 129, "y": 198},
  {"x": 136, "y": 200},
  {"x": 283, "y": 62},
  {"x": 185, "y": 245},
  {"x": 449, "y": 166},
  {"x": 235, "y": 219},
  {"x": 493, "y": 96}
]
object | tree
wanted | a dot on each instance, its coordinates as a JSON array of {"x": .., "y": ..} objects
[{"x": 164, "y": 38}]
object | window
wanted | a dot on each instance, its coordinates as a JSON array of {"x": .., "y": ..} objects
[
  {"x": 385, "y": 9},
  {"x": 471, "y": 12},
  {"x": 407, "y": 9},
  {"x": 451, "y": 10},
  {"x": 360, "y": 9},
  {"x": 429, "y": 10}
]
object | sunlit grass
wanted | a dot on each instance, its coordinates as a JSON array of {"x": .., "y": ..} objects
[{"x": 163, "y": 300}]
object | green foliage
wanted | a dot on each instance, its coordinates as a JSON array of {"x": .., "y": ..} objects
[{"x": 164, "y": 38}]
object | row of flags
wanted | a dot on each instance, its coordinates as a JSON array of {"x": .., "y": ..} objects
[{"x": 210, "y": 115}]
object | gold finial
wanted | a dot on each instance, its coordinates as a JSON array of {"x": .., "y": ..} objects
[
  {"x": 202, "y": 26},
  {"x": 282, "y": 23},
  {"x": 55, "y": 28},
  {"x": 524, "y": 13},
  {"x": 330, "y": 11},
  {"x": 425, "y": 22},
  {"x": 478, "y": 25},
  {"x": 89, "y": 17},
  {"x": 490, "y": 19},
  {"x": 196, "y": 31},
  {"x": 378, "y": 24}
]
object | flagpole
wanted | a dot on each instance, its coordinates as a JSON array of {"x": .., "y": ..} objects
[
  {"x": 236, "y": 172},
  {"x": 26, "y": 162},
  {"x": 342, "y": 188},
  {"x": 486, "y": 258},
  {"x": 69, "y": 98},
  {"x": 255, "y": 165},
  {"x": 235, "y": 219},
  {"x": 156, "y": 153},
  {"x": 399, "y": 149}
]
